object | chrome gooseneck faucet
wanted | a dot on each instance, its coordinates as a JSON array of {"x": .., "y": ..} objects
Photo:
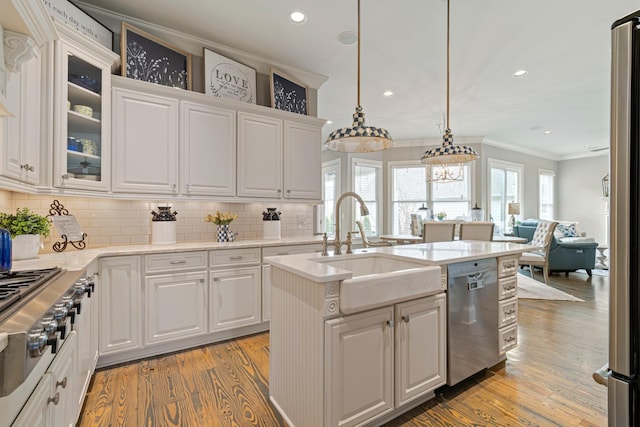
[{"x": 363, "y": 211}]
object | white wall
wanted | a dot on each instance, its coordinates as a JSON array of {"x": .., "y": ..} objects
[{"x": 580, "y": 191}]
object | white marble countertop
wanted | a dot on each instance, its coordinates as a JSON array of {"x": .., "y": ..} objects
[
  {"x": 73, "y": 259},
  {"x": 438, "y": 253}
]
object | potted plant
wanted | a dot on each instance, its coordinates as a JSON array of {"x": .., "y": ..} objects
[{"x": 25, "y": 228}]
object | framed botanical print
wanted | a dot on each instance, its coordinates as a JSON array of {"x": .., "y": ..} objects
[
  {"x": 146, "y": 57},
  {"x": 287, "y": 93}
]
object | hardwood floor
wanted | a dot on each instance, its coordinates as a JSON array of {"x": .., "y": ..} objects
[{"x": 546, "y": 380}]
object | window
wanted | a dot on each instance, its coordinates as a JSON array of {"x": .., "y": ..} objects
[
  {"x": 410, "y": 190},
  {"x": 367, "y": 183},
  {"x": 546, "y": 180},
  {"x": 408, "y": 194},
  {"x": 330, "y": 193},
  {"x": 505, "y": 186},
  {"x": 452, "y": 198}
]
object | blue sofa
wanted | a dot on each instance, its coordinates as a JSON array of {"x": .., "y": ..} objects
[{"x": 566, "y": 254}]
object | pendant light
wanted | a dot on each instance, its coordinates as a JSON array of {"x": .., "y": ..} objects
[
  {"x": 446, "y": 163},
  {"x": 359, "y": 138}
]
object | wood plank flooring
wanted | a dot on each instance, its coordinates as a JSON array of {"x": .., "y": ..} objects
[{"x": 546, "y": 380}]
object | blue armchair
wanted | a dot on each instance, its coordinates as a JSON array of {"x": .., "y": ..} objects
[{"x": 565, "y": 255}]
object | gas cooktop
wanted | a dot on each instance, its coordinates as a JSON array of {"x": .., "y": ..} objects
[{"x": 17, "y": 287}]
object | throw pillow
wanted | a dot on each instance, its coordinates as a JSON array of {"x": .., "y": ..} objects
[{"x": 568, "y": 230}]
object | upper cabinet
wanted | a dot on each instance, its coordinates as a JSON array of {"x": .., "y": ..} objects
[
  {"x": 181, "y": 143},
  {"x": 278, "y": 159},
  {"x": 145, "y": 142},
  {"x": 81, "y": 112},
  {"x": 22, "y": 133}
]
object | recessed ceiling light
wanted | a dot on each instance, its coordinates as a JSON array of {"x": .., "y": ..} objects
[
  {"x": 547, "y": 132},
  {"x": 297, "y": 17},
  {"x": 520, "y": 73},
  {"x": 387, "y": 93}
]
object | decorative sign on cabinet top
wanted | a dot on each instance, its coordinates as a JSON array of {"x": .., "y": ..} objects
[
  {"x": 75, "y": 17},
  {"x": 229, "y": 79}
]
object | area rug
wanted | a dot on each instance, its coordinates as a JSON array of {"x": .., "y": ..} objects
[{"x": 529, "y": 288}]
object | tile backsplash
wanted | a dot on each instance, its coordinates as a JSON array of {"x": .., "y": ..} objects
[{"x": 116, "y": 222}]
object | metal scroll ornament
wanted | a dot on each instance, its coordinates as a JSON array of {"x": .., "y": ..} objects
[{"x": 58, "y": 210}]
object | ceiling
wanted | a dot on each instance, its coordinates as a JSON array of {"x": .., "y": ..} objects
[{"x": 564, "y": 45}]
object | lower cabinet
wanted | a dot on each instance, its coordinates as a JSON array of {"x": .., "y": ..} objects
[
  {"x": 121, "y": 309},
  {"x": 379, "y": 360},
  {"x": 235, "y": 298},
  {"x": 175, "y": 306},
  {"x": 54, "y": 402}
]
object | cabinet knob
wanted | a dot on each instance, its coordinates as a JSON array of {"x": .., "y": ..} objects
[
  {"x": 186, "y": 188},
  {"x": 27, "y": 167},
  {"x": 216, "y": 279},
  {"x": 174, "y": 187},
  {"x": 288, "y": 191},
  {"x": 390, "y": 323},
  {"x": 405, "y": 319},
  {"x": 55, "y": 399},
  {"x": 62, "y": 383}
]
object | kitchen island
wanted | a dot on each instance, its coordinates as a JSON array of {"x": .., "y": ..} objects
[{"x": 350, "y": 347}]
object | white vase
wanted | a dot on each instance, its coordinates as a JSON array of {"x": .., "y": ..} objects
[{"x": 25, "y": 246}]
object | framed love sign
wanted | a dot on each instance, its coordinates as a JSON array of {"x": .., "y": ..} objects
[{"x": 225, "y": 78}]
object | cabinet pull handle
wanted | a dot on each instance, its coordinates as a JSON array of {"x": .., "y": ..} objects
[
  {"x": 288, "y": 191},
  {"x": 510, "y": 339},
  {"x": 283, "y": 253},
  {"x": 512, "y": 311},
  {"x": 186, "y": 188},
  {"x": 55, "y": 399},
  {"x": 201, "y": 280},
  {"x": 174, "y": 187},
  {"x": 216, "y": 279},
  {"x": 235, "y": 257},
  {"x": 406, "y": 318},
  {"x": 390, "y": 323},
  {"x": 178, "y": 262},
  {"x": 62, "y": 383}
]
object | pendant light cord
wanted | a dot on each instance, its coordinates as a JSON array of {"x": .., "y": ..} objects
[
  {"x": 448, "y": 12},
  {"x": 358, "y": 53}
]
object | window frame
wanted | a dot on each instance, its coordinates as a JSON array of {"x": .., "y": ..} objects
[
  {"x": 552, "y": 174},
  {"x": 505, "y": 165},
  {"x": 334, "y": 165},
  {"x": 378, "y": 165}
]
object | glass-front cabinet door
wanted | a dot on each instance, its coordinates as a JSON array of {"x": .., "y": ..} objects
[{"x": 82, "y": 114}]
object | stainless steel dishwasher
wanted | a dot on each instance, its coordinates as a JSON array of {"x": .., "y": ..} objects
[{"x": 472, "y": 319}]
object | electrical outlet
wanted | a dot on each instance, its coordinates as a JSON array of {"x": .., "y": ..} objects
[{"x": 302, "y": 221}]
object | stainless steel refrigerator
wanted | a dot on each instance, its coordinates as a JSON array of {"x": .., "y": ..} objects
[{"x": 624, "y": 267}]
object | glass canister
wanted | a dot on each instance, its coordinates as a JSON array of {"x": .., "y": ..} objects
[{"x": 476, "y": 213}]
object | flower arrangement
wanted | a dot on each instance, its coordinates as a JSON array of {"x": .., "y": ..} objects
[
  {"x": 24, "y": 221},
  {"x": 221, "y": 218},
  {"x": 441, "y": 215}
]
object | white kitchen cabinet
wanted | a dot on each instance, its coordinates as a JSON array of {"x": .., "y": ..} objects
[
  {"x": 381, "y": 359},
  {"x": 82, "y": 139},
  {"x": 175, "y": 306},
  {"x": 21, "y": 135},
  {"x": 234, "y": 288},
  {"x": 39, "y": 408},
  {"x": 234, "y": 298},
  {"x": 64, "y": 371},
  {"x": 302, "y": 161},
  {"x": 208, "y": 150},
  {"x": 420, "y": 347},
  {"x": 359, "y": 367},
  {"x": 120, "y": 308},
  {"x": 86, "y": 326},
  {"x": 259, "y": 156},
  {"x": 278, "y": 159},
  {"x": 266, "y": 292},
  {"x": 145, "y": 142}
]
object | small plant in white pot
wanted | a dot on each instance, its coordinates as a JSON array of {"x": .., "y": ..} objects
[{"x": 25, "y": 228}]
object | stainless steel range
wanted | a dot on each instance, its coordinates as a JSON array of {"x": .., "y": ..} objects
[{"x": 37, "y": 310}]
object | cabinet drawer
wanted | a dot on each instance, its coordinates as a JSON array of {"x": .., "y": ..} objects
[
  {"x": 507, "y": 265},
  {"x": 170, "y": 263},
  {"x": 507, "y": 312},
  {"x": 227, "y": 257},
  {"x": 507, "y": 287},
  {"x": 508, "y": 338},
  {"x": 291, "y": 249}
]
